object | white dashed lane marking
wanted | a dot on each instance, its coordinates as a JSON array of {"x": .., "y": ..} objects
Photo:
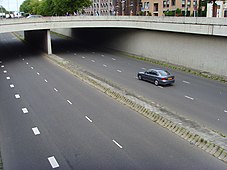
[
  {"x": 104, "y": 65},
  {"x": 186, "y": 82},
  {"x": 143, "y": 68},
  {"x": 55, "y": 89},
  {"x": 36, "y": 131},
  {"x": 102, "y": 55},
  {"x": 191, "y": 98},
  {"x": 23, "y": 59},
  {"x": 117, "y": 144},
  {"x": 69, "y": 101},
  {"x": 83, "y": 57},
  {"x": 53, "y": 162},
  {"x": 119, "y": 71},
  {"x": 88, "y": 119},
  {"x": 2, "y": 66},
  {"x": 25, "y": 110},
  {"x": 93, "y": 61},
  {"x": 17, "y": 96},
  {"x": 113, "y": 59},
  {"x": 11, "y": 86},
  {"x": 225, "y": 111},
  {"x": 8, "y": 78},
  {"x": 38, "y": 73},
  {"x": 4, "y": 71},
  {"x": 46, "y": 80},
  {"x": 27, "y": 63},
  {"x": 32, "y": 68}
]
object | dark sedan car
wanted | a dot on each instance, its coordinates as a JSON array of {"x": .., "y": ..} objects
[{"x": 157, "y": 76}]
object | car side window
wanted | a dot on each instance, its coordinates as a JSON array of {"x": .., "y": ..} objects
[{"x": 154, "y": 73}]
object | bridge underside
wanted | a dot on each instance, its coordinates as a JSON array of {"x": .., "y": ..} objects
[{"x": 201, "y": 52}]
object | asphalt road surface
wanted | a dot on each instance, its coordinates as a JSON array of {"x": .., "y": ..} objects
[
  {"x": 49, "y": 119},
  {"x": 196, "y": 98}
]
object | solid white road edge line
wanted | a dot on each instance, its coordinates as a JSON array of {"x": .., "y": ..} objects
[
  {"x": 25, "y": 110},
  {"x": 88, "y": 119},
  {"x": 36, "y": 131},
  {"x": 189, "y": 97},
  {"x": 53, "y": 162},
  {"x": 117, "y": 144}
]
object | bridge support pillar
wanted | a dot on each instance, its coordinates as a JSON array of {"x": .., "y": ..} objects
[{"x": 40, "y": 39}]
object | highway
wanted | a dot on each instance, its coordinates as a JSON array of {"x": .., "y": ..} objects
[
  {"x": 51, "y": 120},
  {"x": 196, "y": 98}
]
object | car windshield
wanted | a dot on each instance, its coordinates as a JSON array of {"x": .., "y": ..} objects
[{"x": 163, "y": 73}]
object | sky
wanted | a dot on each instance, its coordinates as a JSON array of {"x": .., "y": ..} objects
[{"x": 11, "y": 4}]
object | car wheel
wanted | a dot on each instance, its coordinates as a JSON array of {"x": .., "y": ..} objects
[
  {"x": 139, "y": 77},
  {"x": 156, "y": 82}
]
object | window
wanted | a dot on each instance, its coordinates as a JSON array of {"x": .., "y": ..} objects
[
  {"x": 146, "y": 5},
  {"x": 183, "y": 3},
  {"x": 164, "y": 73},
  {"x": 167, "y": 3},
  {"x": 155, "y": 7},
  {"x": 225, "y": 13},
  {"x": 173, "y": 2}
]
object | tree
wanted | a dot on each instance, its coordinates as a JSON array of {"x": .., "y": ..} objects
[
  {"x": 47, "y": 8},
  {"x": 2, "y": 9},
  {"x": 53, "y": 7},
  {"x": 63, "y": 6}
]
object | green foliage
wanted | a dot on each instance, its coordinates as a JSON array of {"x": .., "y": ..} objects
[
  {"x": 169, "y": 13},
  {"x": 178, "y": 12},
  {"x": 2, "y": 9},
  {"x": 54, "y": 7}
]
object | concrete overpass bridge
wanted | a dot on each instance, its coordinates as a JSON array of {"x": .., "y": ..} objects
[{"x": 198, "y": 43}]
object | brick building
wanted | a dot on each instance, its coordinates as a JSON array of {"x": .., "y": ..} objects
[{"x": 143, "y": 7}]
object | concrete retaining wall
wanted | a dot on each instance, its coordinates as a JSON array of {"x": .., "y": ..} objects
[{"x": 201, "y": 52}]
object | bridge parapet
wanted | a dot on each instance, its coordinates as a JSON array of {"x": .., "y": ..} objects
[{"x": 194, "y": 25}]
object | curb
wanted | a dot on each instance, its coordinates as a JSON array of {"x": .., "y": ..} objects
[{"x": 205, "y": 141}]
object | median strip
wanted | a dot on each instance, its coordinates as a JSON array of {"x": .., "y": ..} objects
[{"x": 209, "y": 140}]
